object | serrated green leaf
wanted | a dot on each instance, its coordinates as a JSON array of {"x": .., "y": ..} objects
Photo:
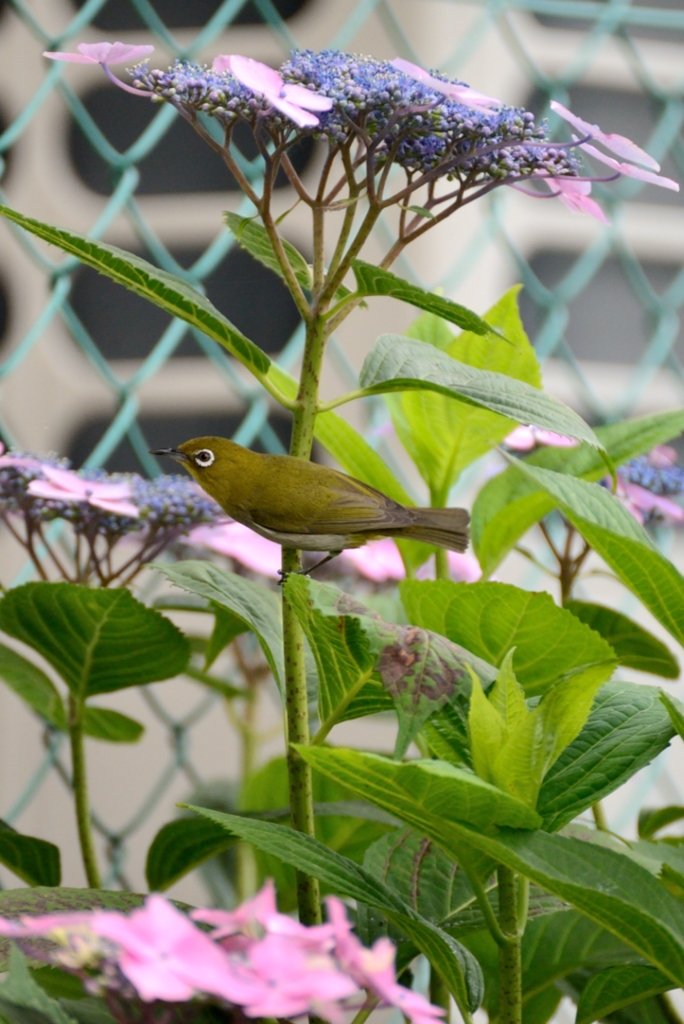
[
  {"x": 491, "y": 618},
  {"x": 23, "y": 1001},
  {"x": 444, "y": 792},
  {"x": 58, "y": 984},
  {"x": 180, "y": 846},
  {"x": 252, "y": 236},
  {"x": 33, "y": 686},
  {"x": 607, "y": 886},
  {"x": 510, "y": 503},
  {"x": 626, "y": 729},
  {"x": 170, "y": 292},
  {"x": 255, "y": 605},
  {"x": 111, "y": 726},
  {"x": 616, "y": 987},
  {"x": 396, "y": 363},
  {"x": 676, "y": 712},
  {"x": 421, "y": 671},
  {"x": 460, "y": 971},
  {"x": 35, "y": 861},
  {"x": 372, "y": 280},
  {"x": 634, "y": 646},
  {"x": 97, "y": 640},
  {"x": 621, "y": 542},
  {"x": 441, "y": 436}
]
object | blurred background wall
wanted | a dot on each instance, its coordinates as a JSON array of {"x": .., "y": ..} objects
[{"x": 92, "y": 372}]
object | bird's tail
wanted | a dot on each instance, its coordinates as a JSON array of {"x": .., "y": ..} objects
[{"x": 445, "y": 527}]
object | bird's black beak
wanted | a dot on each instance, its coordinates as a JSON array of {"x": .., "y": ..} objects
[{"x": 172, "y": 453}]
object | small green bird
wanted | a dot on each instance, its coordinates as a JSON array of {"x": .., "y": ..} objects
[{"x": 301, "y": 504}]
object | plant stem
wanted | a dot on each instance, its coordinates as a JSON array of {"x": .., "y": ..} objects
[
  {"x": 600, "y": 817},
  {"x": 510, "y": 964},
  {"x": 79, "y": 784},
  {"x": 439, "y": 993},
  {"x": 442, "y": 565}
]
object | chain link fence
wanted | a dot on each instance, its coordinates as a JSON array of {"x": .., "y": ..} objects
[{"x": 92, "y": 372}]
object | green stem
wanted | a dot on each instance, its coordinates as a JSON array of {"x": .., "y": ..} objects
[
  {"x": 600, "y": 817},
  {"x": 439, "y": 993},
  {"x": 80, "y": 787},
  {"x": 442, "y": 565},
  {"x": 510, "y": 964}
]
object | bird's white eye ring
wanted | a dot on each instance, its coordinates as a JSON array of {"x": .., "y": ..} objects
[{"x": 204, "y": 458}]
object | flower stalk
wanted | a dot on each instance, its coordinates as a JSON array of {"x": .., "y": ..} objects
[{"x": 79, "y": 782}]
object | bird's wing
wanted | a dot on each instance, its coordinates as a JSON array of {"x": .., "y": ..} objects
[{"x": 346, "y": 506}]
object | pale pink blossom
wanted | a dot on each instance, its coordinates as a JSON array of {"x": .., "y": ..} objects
[
  {"x": 464, "y": 567},
  {"x": 373, "y": 969},
  {"x": 102, "y": 53},
  {"x": 524, "y": 439},
  {"x": 240, "y": 543},
  {"x": 295, "y": 101},
  {"x": 663, "y": 456},
  {"x": 638, "y": 500},
  {"x": 163, "y": 955},
  {"x": 379, "y": 561},
  {"x": 453, "y": 91},
  {"x": 574, "y": 193},
  {"x": 64, "y": 485},
  {"x": 20, "y": 462},
  {"x": 43, "y": 924}
]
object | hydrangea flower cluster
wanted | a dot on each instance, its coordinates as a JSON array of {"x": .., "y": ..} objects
[
  {"x": 102, "y": 509},
  {"x": 646, "y": 486},
  {"x": 395, "y": 112},
  {"x": 255, "y": 958}
]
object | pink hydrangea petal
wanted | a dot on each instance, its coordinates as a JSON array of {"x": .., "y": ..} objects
[
  {"x": 553, "y": 440},
  {"x": 575, "y": 198},
  {"x": 239, "y": 542},
  {"x": 662, "y": 457},
  {"x": 629, "y": 170},
  {"x": 69, "y": 58},
  {"x": 66, "y": 479},
  {"x": 521, "y": 439},
  {"x": 464, "y": 567},
  {"x": 222, "y": 62},
  {"x": 305, "y": 98},
  {"x": 300, "y": 117},
  {"x": 260, "y": 908},
  {"x": 255, "y": 75},
  {"x": 615, "y": 143},
  {"x": 646, "y": 501},
  {"x": 43, "y": 489},
  {"x": 459, "y": 93},
  {"x": 117, "y": 508},
  {"x": 19, "y": 462},
  {"x": 379, "y": 561},
  {"x": 124, "y": 53}
]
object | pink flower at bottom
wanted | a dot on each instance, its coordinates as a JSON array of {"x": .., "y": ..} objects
[
  {"x": 373, "y": 968},
  {"x": 240, "y": 543},
  {"x": 163, "y": 954}
]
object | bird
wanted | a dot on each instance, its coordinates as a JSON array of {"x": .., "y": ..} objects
[{"x": 301, "y": 504}]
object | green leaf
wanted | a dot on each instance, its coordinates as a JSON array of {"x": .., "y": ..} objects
[
  {"x": 460, "y": 971},
  {"x": 616, "y": 987},
  {"x": 35, "y": 861},
  {"x": 58, "y": 984},
  {"x": 112, "y": 726},
  {"x": 621, "y": 542},
  {"x": 491, "y": 618},
  {"x": 420, "y": 873},
  {"x": 675, "y": 711},
  {"x": 608, "y": 887},
  {"x": 372, "y": 280},
  {"x": 253, "y": 604},
  {"x": 98, "y": 640},
  {"x": 170, "y": 292},
  {"x": 23, "y": 1001},
  {"x": 444, "y": 792},
  {"x": 396, "y": 363},
  {"x": 94, "y": 1011},
  {"x": 634, "y": 646},
  {"x": 510, "y": 503},
  {"x": 253, "y": 237},
  {"x": 441, "y": 436},
  {"x": 227, "y": 626},
  {"x": 651, "y": 821},
  {"x": 33, "y": 686},
  {"x": 420, "y": 670},
  {"x": 627, "y": 728},
  {"x": 180, "y": 846},
  {"x": 342, "y": 824}
]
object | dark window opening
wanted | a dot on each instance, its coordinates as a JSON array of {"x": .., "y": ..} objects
[
  {"x": 632, "y": 114},
  {"x": 121, "y": 15},
  {"x": 607, "y": 322},
  {"x": 126, "y": 326},
  {"x": 179, "y": 163},
  {"x": 167, "y": 431}
]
